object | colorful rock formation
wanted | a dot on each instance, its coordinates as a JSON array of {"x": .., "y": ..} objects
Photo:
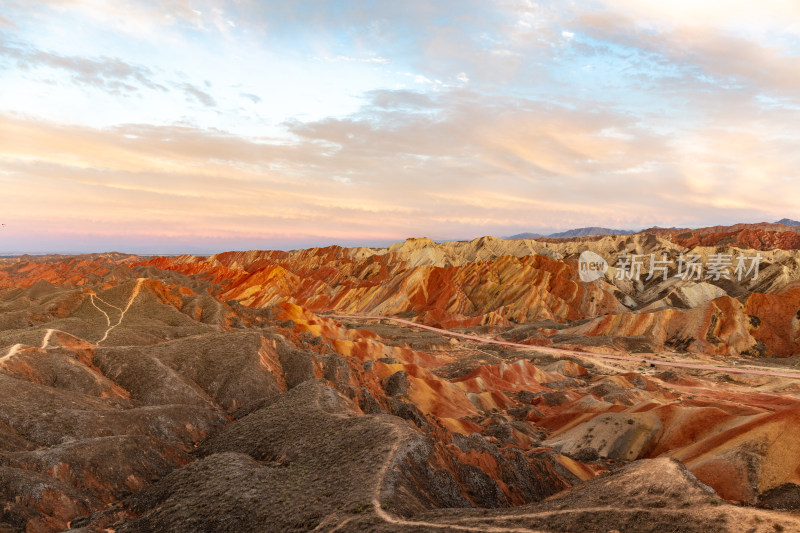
[{"x": 187, "y": 392}]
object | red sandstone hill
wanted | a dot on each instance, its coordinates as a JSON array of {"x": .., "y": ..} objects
[
  {"x": 509, "y": 286},
  {"x": 770, "y": 237}
]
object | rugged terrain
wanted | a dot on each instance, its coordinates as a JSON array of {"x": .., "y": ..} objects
[{"x": 463, "y": 386}]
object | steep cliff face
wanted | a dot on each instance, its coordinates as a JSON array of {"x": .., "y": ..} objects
[{"x": 775, "y": 320}]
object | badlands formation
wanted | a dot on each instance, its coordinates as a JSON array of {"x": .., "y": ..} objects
[{"x": 460, "y": 386}]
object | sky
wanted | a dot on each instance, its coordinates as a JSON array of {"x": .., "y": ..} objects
[{"x": 183, "y": 126}]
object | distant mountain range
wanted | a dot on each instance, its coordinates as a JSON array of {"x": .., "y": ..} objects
[
  {"x": 578, "y": 232},
  {"x": 594, "y": 230}
]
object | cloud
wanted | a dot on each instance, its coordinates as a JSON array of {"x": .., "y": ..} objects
[
  {"x": 740, "y": 15},
  {"x": 400, "y": 99},
  {"x": 454, "y": 165},
  {"x": 195, "y": 93},
  {"x": 732, "y": 46},
  {"x": 252, "y": 97},
  {"x": 458, "y": 165},
  {"x": 122, "y": 16},
  {"x": 110, "y": 74},
  {"x": 5, "y": 22},
  {"x": 376, "y": 60},
  {"x": 548, "y": 115},
  {"x": 573, "y": 159}
]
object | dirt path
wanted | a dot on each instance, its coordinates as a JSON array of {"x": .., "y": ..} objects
[
  {"x": 560, "y": 351},
  {"x": 45, "y": 343},
  {"x": 108, "y": 320},
  {"x": 737, "y": 515},
  {"x": 134, "y": 294},
  {"x": 108, "y": 304},
  {"x": 46, "y": 340},
  {"x": 386, "y": 517},
  {"x": 337, "y": 521},
  {"x": 11, "y": 352}
]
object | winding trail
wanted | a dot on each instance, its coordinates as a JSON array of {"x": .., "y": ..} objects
[
  {"x": 334, "y": 521},
  {"x": 134, "y": 294},
  {"x": 11, "y": 351},
  {"x": 108, "y": 320},
  {"x": 14, "y": 349},
  {"x": 46, "y": 340},
  {"x": 92, "y": 297},
  {"x": 386, "y": 517},
  {"x": 561, "y": 351},
  {"x": 108, "y": 304}
]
